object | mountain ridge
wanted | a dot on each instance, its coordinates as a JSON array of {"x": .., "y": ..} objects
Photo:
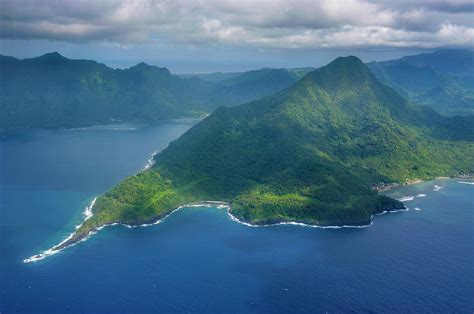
[
  {"x": 54, "y": 91},
  {"x": 442, "y": 80}
]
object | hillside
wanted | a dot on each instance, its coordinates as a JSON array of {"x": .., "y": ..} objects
[
  {"x": 54, "y": 91},
  {"x": 308, "y": 154},
  {"x": 241, "y": 87},
  {"x": 442, "y": 80},
  {"x": 232, "y": 78},
  {"x": 264, "y": 82}
]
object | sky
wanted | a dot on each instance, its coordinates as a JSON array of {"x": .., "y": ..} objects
[{"x": 232, "y": 35}]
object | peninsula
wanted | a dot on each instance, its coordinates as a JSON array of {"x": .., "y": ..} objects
[{"x": 308, "y": 154}]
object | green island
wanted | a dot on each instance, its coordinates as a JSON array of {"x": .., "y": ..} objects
[{"x": 311, "y": 154}]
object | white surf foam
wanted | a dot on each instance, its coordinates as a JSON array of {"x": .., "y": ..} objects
[
  {"x": 406, "y": 198},
  {"x": 88, "y": 210},
  {"x": 437, "y": 188},
  {"x": 55, "y": 249},
  {"x": 466, "y": 182},
  {"x": 151, "y": 161},
  {"x": 421, "y": 195},
  {"x": 417, "y": 208},
  {"x": 104, "y": 128},
  {"x": 217, "y": 204},
  {"x": 393, "y": 211},
  {"x": 294, "y": 223},
  {"x": 88, "y": 214}
]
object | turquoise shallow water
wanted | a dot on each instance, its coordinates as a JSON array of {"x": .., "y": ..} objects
[{"x": 198, "y": 260}]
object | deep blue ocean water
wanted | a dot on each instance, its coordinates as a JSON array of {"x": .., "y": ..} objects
[{"x": 198, "y": 260}]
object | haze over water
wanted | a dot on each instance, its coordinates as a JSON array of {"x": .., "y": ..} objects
[{"x": 198, "y": 260}]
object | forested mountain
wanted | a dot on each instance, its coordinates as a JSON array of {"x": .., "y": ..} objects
[
  {"x": 54, "y": 91},
  {"x": 233, "y": 78},
  {"x": 443, "y": 80},
  {"x": 264, "y": 82},
  {"x": 251, "y": 85},
  {"x": 308, "y": 154}
]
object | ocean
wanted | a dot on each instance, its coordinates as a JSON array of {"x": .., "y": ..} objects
[{"x": 200, "y": 261}]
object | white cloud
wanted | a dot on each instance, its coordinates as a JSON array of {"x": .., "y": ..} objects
[{"x": 261, "y": 24}]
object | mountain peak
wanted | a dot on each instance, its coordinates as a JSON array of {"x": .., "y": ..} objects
[
  {"x": 350, "y": 65},
  {"x": 343, "y": 71},
  {"x": 346, "y": 61},
  {"x": 49, "y": 59},
  {"x": 142, "y": 66},
  {"x": 52, "y": 56}
]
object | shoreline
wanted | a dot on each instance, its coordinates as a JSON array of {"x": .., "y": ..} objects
[
  {"x": 92, "y": 125},
  {"x": 383, "y": 187},
  {"x": 150, "y": 162},
  {"x": 88, "y": 213},
  {"x": 217, "y": 204}
]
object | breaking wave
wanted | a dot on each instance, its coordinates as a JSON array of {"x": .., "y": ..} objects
[
  {"x": 151, "y": 161},
  {"x": 210, "y": 204},
  {"x": 56, "y": 249},
  {"x": 466, "y": 182}
]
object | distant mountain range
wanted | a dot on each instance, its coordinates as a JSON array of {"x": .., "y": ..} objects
[
  {"x": 54, "y": 91},
  {"x": 255, "y": 76},
  {"x": 443, "y": 80},
  {"x": 308, "y": 154}
]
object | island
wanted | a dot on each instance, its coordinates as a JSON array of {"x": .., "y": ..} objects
[{"x": 310, "y": 154}]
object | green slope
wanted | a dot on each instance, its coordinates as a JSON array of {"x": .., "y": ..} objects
[
  {"x": 264, "y": 82},
  {"x": 233, "y": 78},
  {"x": 442, "y": 80},
  {"x": 458, "y": 62},
  {"x": 54, "y": 91},
  {"x": 307, "y": 154},
  {"x": 247, "y": 86}
]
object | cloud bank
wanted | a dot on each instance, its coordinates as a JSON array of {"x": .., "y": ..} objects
[{"x": 302, "y": 24}]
